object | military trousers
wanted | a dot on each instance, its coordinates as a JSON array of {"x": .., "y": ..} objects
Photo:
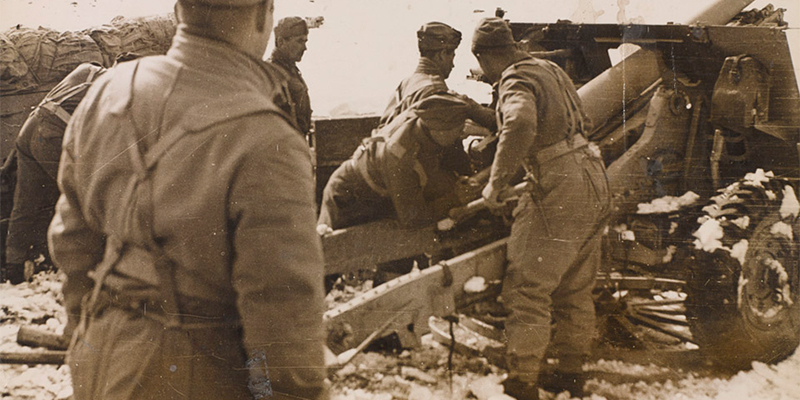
[
  {"x": 36, "y": 192},
  {"x": 554, "y": 254},
  {"x": 348, "y": 200},
  {"x": 125, "y": 356}
]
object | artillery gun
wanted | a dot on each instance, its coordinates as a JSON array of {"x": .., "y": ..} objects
[{"x": 699, "y": 129}]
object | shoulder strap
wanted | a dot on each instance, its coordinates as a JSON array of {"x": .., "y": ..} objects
[
  {"x": 53, "y": 104},
  {"x": 577, "y": 122}
]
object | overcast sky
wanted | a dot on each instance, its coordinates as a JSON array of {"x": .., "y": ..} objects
[{"x": 365, "y": 47}]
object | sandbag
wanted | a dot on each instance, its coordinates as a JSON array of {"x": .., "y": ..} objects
[
  {"x": 73, "y": 49},
  {"x": 15, "y": 75},
  {"x": 145, "y": 36},
  {"x": 48, "y": 55},
  {"x": 37, "y": 47}
]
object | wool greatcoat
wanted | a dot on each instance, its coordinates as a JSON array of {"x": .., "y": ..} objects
[
  {"x": 188, "y": 189},
  {"x": 554, "y": 247},
  {"x": 396, "y": 173}
]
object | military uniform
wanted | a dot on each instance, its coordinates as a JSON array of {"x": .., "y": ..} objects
[
  {"x": 424, "y": 82},
  {"x": 391, "y": 173},
  {"x": 299, "y": 101},
  {"x": 427, "y": 80},
  {"x": 38, "y": 149},
  {"x": 554, "y": 246},
  {"x": 188, "y": 196}
]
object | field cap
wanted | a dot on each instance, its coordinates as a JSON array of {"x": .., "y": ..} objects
[
  {"x": 492, "y": 32},
  {"x": 437, "y": 36},
  {"x": 291, "y": 26}
]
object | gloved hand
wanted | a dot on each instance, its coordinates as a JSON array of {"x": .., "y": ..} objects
[{"x": 494, "y": 198}]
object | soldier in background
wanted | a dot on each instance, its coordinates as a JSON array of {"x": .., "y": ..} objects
[
  {"x": 291, "y": 36},
  {"x": 554, "y": 246},
  {"x": 186, "y": 224},
  {"x": 36, "y": 153}
]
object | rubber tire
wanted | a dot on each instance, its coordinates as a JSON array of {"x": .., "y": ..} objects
[{"x": 734, "y": 332}]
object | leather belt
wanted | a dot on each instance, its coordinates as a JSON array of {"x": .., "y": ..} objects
[
  {"x": 197, "y": 313},
  {"x": 561, "y": 148}
]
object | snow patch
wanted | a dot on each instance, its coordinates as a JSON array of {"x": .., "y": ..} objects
[
  {"x": 740, "y": 290},
  {"x": 673, "y": 226},
  {"x": 486, "y": 387},
  {"x": 781, "y": 228},
  {"x": 712, "y": 210},
  {"x": 742, "y": 222},
  {"x": 667, "y": 204},
  {"x": 625, "y": 368},
  {"x": 739, "y": 251},
  {"x": 783, "y": 280},
  {"x": 708, "y": 236},
  {"x": 758, "y": 178},
  {"x": 670, "y": 253},
  {"x": 790, "y": 205},
  {"x": 476, "y": 284}
]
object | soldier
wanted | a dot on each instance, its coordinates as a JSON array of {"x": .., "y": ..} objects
[
  {"x": 186, "y": 224},
  {"x": 291, "y": 36},
  {"x": 37, "y": 153},
  {"x": 554, "y": 247},
  {"x": 437, "y": 43},
  {"x": 390, "y": 174}
]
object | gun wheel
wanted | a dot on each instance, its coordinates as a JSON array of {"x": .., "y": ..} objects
[{"x": 742, "y": 290}]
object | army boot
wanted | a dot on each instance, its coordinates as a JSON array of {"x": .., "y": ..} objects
[
  {"x": 560, "y": 381},
  {"x": 12, "y": 273},
  {"x": 521, "y": 390}
]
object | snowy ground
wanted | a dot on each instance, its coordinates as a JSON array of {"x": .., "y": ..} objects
[{"x": 420, "y": 374}]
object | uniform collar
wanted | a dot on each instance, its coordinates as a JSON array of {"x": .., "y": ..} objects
[
  {"x": 278, "y": 57},
  {"x": 215, "y": 56},
  {"x": 526, "y": 59},
  {"x": 427, "y": 66}
]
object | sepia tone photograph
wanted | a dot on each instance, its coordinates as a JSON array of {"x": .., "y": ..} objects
[{"x": 400, "y": 199}]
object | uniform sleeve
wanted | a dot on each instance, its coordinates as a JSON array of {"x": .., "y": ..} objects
[
  {"x": 74, "y": 246},
  {"x": 405, "y": 189},
  {"x": 517, "y": 133},
  {"x": 277, "y": 269}
]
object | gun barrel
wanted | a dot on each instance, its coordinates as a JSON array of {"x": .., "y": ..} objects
[{"x": 604, "y": 96}]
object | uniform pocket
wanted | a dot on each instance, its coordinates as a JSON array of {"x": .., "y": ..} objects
[{"x": 595, "y": 175}]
